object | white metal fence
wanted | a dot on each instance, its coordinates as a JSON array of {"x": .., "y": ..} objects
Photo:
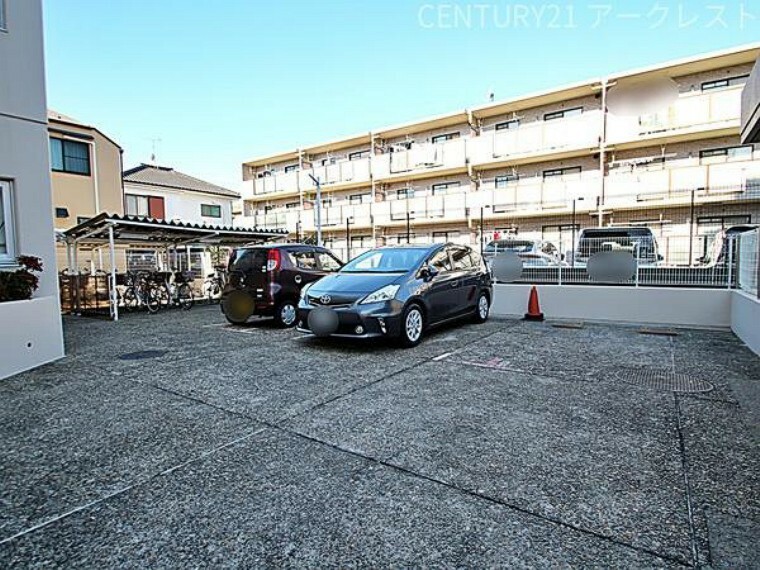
[
  {"x": 623, "y": 256},
  {"x": 748, "y": 262}
]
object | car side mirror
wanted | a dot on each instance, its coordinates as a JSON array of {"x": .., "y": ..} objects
[{"x": 428, "y": 272}]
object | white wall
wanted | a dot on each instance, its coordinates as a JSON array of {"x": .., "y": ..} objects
[
  {"x": 186, "y": 206},
  {"x": 684, "y": 307},
  {"x": 24, "y": 161},
  {"x": 745, "y": 319}
]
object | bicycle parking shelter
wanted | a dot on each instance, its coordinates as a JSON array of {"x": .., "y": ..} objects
[{"x": 112, "y": 230}]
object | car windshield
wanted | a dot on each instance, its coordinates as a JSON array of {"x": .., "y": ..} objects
[
  {"x": 520, "y": 246},
  {"x": 391, "y": 260}
]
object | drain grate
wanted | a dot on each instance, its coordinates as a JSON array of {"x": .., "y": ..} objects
[
  {"x": 567, "y": 325},
  {"x": 663, "y": 380},
  {"x": 142, "y": 355}
]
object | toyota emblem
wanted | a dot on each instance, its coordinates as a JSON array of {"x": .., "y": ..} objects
[{"x": 325, "y": 299}]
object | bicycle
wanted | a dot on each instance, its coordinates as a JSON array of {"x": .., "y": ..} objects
[
  {"x": 174, "y": 289},
  {"x": 214, "y": 284},
  {"x": 139, "y": 292}
]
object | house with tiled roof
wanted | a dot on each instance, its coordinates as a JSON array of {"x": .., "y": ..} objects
[{"x": 164, "y": 193}]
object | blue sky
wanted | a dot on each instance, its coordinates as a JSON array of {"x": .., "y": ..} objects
[{"x": 220, "y": 81}]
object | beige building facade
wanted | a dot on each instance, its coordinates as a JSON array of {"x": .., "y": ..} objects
[
  {"x": 86, "y": 180},
  {"x": 589, "y": 154}
]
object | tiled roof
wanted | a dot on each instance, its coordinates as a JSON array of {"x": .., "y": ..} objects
[{"x": 166, "y": 177}]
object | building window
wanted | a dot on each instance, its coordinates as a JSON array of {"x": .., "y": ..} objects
[
  {"x": 404, "y": 193},
  {"x": 729, "y": 152},
  {"x": 70, "y": 156},
  {"x": 565, "y": 113},
  {"x": 211, "y": 211},
  {"x": 443, "y": 138},
  {"x": 326, "y": 161},
  {"x": 444, "y": 237},
  {"x": 61, "y": 213},
  {"x": 443, "y": 188},
  {"x": 508, "y": 125},
  {"x": 554, "y": 172},
  {"x": 355, "y": 199},
  {"x": 327, "y": 202},
  {"x": 506, "y": 180},
  {"x": 145, "y": 206},
  {"x": 291, "y": 205},
  {"x": 358, "y": 155},
  {"x": 7, "y": 235},
  {"x": 291, "y": 168},
  {"x": 723, "y": 83}
]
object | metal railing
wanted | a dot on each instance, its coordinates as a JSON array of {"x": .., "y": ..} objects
[
  {"x": 625, "y": 256},
  {"x": 748, "y": 262}
]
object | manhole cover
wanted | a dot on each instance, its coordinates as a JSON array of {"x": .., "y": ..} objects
[
  {"x": 663, "y": 380},
  {"x": 142, "y": 355}
]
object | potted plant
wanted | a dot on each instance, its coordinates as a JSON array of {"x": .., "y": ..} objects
[{"x": 20, "y": 284}]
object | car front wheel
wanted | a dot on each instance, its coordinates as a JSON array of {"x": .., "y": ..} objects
[
  {"x": 412, "y": 326},
  {"x": 285, "y": 314}
]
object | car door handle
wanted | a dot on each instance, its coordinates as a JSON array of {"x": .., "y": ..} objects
[{"x": 454, "y": 283}]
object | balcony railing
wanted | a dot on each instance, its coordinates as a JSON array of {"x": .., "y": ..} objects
[
  {"x": 542, "y": 194},
  {"x": 691, "y": 111},
  {"x": 428, "y": 208},
  {"x": 346, "y": 171},
  {"x": 282, "y": 182},
  {"x": 441, "y": 156},
  {"x": 541, "y": 137},
  {"x": 739, "y": 180}
]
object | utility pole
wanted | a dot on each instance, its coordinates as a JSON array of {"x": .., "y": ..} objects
[
  {"x": 482, "y": 234},
  {"x": 319, "y": 209}
]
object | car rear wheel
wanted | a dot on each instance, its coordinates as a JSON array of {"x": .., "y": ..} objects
[
  {"x": 482, "y": 309},
  {"x": 285, "y": 314},
  {"x": 412, "y": 326}
]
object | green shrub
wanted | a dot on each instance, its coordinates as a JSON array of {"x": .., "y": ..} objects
[{"x": 19, "y": 285}]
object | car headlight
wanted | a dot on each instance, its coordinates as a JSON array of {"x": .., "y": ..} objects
[
  {"x": 305, "y": 288},
  {"x": 385, "y": 294}
]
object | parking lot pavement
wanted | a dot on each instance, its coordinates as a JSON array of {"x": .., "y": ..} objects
[{"x": 504, "y": 444}]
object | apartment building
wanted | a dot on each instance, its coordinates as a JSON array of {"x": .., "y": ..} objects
[
  {"x": 30, "y": 330},
  {"x": 535, "y": 166},
  {"x": 86, "y": 169}
]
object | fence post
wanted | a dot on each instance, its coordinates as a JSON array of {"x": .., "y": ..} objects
[
  {"x": 637, "y": 264},
  {"x": 561, "y": 261},
  {"x": 730, "y": 242}
]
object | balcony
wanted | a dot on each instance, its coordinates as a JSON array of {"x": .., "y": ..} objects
[
  {"x": 430, "y": 209},
  {"x": 336, "y": 216},
  {"x": 283, "y": 182},
  {"x": 346, "y": 172},
  {"x": 542, "y": 195},
  {"x": 421, "y": 159},
  {"x": 690, "y": 113},
  {"x": 272, "y": 220},
  {"x": 538, "y": 138},
  {"x": 713, "y": 182}
]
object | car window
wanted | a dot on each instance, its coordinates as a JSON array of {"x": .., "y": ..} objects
[
  {"x": 304, "y": 259},
  {"x": 460, "y": 257},
  {"x": 327, "y": 262},
  {"x": 250, "y": 260},
  {"x": 441, "y": 261},
  {"x": 385, "y": 260}
]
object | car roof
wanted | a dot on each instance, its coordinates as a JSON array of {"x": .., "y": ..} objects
[{"x": 281, "y": 246}]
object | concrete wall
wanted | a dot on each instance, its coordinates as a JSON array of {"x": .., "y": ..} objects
[
  {"x": 745, "y": 319},
  {"x": 36, "y": 335},
  {"x": 710, "y": 308}
]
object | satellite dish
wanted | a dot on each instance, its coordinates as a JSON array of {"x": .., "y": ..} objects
[{"x": 642, "y": 97}]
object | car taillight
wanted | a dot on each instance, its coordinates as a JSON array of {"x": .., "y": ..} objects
[{"x": 273, "y": 260}]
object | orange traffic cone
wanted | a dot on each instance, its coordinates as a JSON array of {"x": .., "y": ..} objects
[{"x": 534, "y": 312}]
